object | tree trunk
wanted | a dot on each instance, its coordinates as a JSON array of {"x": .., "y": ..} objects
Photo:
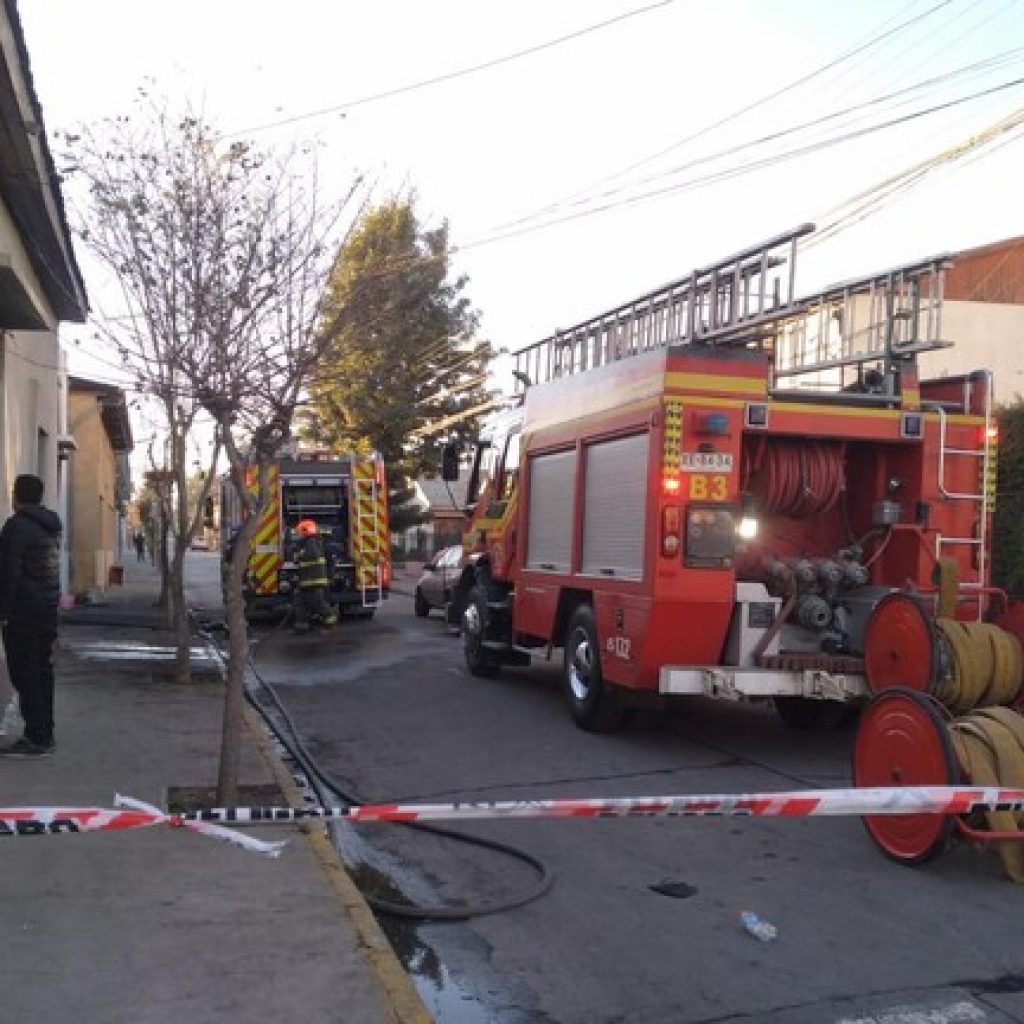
[
  {"x": 164, "y": 564},
  {"x": 238, "y": 654},
  {"x": 179, "y": 618}
]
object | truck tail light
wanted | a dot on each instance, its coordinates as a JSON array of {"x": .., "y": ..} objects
[
  {"x": 671, "y": 531},
  {"x": 671, "y": 484}
]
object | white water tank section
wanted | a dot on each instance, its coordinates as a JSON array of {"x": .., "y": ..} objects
[{"x": 752, "y": 616}]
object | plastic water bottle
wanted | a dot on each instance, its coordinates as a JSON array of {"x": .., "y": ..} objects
[{"x": 763, "y": 930}]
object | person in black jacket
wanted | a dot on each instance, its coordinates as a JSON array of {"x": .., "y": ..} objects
[{"x": 29, "y": 595}]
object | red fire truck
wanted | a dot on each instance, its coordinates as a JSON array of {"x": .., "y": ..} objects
[
  {"x": 721, "y": 489},
  {"x": 347, "y": 498}
]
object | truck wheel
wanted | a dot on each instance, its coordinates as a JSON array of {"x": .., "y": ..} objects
[
  {"x": 593, "y": 704},
  {"x": 421, "y": 606},
  {"x": 479, "y": 660}
]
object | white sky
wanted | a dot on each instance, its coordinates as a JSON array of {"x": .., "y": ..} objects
[{"x": 498, "y": 144}]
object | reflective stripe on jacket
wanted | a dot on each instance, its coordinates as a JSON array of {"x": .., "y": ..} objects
[{"x": 312, "y": 564}]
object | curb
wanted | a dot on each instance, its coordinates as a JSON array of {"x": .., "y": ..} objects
[{"x": 399, "y": 994}]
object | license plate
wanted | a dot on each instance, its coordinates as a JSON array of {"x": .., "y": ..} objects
[{"x": 707, "y": 462}]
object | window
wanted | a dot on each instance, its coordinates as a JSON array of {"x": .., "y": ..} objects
[
  {"x": 483, "y": 471},
  {"x": 42, "y": 454},
  {"x": 510, "y": 471}
]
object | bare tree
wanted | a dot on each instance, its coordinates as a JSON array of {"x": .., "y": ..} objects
[
  {"x": 222, "y": 253},
  {"x": 252, "y": 381},
  {"x": 158, "y": 199}
]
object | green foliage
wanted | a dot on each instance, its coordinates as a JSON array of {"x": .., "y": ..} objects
[
  {"x": 402, "y": 358},
  {"x": 1008, "y": 522}
]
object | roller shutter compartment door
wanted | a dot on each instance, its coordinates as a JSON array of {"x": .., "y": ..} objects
[
  {"x": 552, "y": 482},
  {"x": 614, "y": 506}
]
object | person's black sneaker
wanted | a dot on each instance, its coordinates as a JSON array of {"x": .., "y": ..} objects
[{"x": 26, "y": 749}]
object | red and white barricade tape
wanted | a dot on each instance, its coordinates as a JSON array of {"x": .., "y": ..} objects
[{"x": 133, "y": 814}]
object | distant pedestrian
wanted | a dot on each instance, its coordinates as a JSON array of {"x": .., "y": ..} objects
[
  {"x": 140, "y": 546},
  {"x": 29, "y": 592}
]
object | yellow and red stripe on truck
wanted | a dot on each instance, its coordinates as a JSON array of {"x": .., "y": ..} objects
[
  {"x": 368, "y": 526},
  {"x": 265, "y": 556}
]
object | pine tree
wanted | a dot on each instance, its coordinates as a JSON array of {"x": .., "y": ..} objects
[{"x": 403, "y": 365}]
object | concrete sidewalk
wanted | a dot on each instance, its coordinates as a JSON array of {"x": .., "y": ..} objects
[{"x": 165, "y": 925}]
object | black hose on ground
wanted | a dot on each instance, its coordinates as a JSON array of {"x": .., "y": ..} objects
[{"x": 322, "y": 782}]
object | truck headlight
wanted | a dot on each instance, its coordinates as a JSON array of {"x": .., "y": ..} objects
[{"x": 747, "y": 528}]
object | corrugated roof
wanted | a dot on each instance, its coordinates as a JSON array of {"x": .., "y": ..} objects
[
  {"x": 33, "y": 193},
  {"x": 437, "y": 492}
]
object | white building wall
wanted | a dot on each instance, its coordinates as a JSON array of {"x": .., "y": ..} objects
[
  {"x": 32, "y": 403},
  {"x": 32, "y": 399},
  {"x": 985, "y": 336}
]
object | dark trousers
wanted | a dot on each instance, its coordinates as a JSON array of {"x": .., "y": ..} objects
[
  {"x": 30, "y": 664},
  {"x": 311, "y": 602}
]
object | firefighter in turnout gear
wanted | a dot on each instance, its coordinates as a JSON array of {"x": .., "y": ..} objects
[{"x": 313, "y": 579}]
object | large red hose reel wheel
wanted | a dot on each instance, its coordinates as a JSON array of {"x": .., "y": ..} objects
[{"x": 923, "y": 672}]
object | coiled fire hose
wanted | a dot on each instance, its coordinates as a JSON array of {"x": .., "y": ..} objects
[
  {"x": 983, "y": 674},
  {"x": 989, "y": 748},
  {"x": 984, "y": 667}
]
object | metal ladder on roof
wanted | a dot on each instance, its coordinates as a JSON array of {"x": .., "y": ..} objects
[
  {"x": 853, "y": 337},
  {"x": 730, "y": 301},
  {"x": 984, "y": 497}
]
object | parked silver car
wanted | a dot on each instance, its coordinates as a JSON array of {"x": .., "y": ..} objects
[{"x": 439, "y": 576}]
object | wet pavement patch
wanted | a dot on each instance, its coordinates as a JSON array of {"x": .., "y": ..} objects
[{"x": 105, "y": 651}]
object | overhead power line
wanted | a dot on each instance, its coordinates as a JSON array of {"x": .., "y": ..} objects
[
  {"x": 973, "y": 70},
  {"x": 742, "y": 169},
  {"x": 868, "y": 202},
  {"x": 458, "y": 73},
  {"x": 738, "y": 113}
]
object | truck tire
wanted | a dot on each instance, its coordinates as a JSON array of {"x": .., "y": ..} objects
[
  {"x": 479, "y": 660},
  {"x": 593, "y": 704}
]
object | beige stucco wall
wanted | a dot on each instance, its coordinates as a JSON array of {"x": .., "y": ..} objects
[
  {"x": 92, "y": 500},
  {"x": 31, "y": 399},
  {"x": 32, "y": 406},
  {"x": 12, "y": 251},
  {"x": 986, "y": 336}
]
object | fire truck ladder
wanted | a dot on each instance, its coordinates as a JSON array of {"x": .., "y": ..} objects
[
  {"x": 730, "y": 302},
  {"x": 367, "y": 528},
  {"x": 877, "y": 320},
  {"x": 984, "y": 497}
]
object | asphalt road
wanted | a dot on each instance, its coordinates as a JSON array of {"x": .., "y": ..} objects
[{"x": 388, "y": 710}]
